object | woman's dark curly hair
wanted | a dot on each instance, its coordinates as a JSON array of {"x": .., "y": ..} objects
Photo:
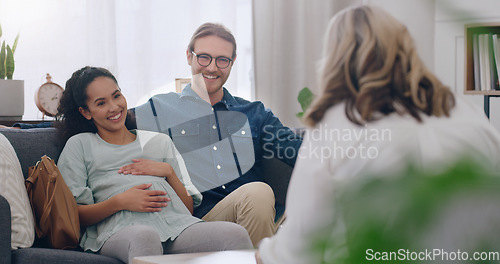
[{"x": 69, "y": 119}]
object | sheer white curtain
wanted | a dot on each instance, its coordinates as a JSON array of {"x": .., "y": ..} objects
[
  {"x": 288, "y": 41},
  {"x": 142, "y": 42}
]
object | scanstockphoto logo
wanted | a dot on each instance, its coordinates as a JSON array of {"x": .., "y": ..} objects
[{"x": 326, "y": 143}]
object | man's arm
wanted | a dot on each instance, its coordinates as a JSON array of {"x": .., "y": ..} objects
[{"x": 279, "y": 141}]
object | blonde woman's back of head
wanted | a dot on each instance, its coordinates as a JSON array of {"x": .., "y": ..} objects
[{"x": 370, "y": 63}]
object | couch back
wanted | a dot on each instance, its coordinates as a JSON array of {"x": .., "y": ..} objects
[{"x": 31, "y": 144}]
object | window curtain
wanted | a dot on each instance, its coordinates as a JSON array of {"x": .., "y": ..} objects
[
  {"x": 288, "y": 39},
  {"x": 143, "y": 43}
]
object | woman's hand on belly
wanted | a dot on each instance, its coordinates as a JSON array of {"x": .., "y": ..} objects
[
  {"x": 139, "y": 199},
  {"x": 147, "y": 167}
]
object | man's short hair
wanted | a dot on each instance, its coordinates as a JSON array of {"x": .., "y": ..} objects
[{"x": 213, "y": 29}]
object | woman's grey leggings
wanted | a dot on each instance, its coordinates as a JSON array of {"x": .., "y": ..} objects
[{"x": 141, "y": 240}]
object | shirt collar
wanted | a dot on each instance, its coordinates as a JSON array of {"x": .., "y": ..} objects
[{"x": 227, "y": 99}]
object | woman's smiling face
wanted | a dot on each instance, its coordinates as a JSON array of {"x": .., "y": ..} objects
[{"x": 106, "y": 106}]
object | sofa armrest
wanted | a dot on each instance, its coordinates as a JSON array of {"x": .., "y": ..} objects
[
  {"x": 5, "y": 230},
  {"x": 277, "y": 174}
]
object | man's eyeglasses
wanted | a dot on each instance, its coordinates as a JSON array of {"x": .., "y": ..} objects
[{"x": 205, "y": 60}]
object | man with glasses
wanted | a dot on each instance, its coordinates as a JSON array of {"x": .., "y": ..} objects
[{"x": 223, "y": 139}]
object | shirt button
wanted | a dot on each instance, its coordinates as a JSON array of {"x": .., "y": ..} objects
[
  {"x": 215, "y": 148},
  {"x": 218, "y": 167},
  {"x": 243, "y": 132},
  {"x": 224, "y": 187},
  {"x": 214, "y": 127},
  {"x": 183, "y": 132}
]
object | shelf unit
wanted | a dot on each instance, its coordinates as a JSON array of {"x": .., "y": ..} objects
[
  {"x": 469, "y": 31},
  {"x": 12, "y": 122}
]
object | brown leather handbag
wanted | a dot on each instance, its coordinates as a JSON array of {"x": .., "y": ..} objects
[{"x": 53, "y": 205}]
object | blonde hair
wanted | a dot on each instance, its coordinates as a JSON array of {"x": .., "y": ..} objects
[
  {"x": 370, "y": 63},
  {"x": 213, "y": 29}
]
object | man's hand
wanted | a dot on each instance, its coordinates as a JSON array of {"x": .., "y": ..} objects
[
  {"x": 147, "y": 167},
  {"x": 139, "y": 199}
]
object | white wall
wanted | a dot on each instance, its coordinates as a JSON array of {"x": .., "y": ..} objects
[
  {"x": 418, "y": 16},
  {"x": 451, "y": 16},
  {"x": 437, "y": 27},
  {"x": 288, "y": 42}
]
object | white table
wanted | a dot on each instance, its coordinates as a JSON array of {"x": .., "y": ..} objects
[{"x": 219, "y": 257}]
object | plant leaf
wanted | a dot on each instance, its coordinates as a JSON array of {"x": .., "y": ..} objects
[
  {"x": 9, "y": 63},
  {"x": 14, "y": 46},
  {"x": 0, "y": 31},
  {"x": 305, "y": 98},
  {"x": 2, "y": 61}
]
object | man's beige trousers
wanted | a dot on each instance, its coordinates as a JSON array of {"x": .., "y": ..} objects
[{"x": 251, "y": 206}]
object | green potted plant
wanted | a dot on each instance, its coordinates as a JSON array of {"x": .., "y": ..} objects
[{"x": 12, "y": 99}]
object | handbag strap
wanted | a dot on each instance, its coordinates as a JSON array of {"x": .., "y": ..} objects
[
  {"x": 30, "y": 181},
  {"x": 50, "y": 195}
]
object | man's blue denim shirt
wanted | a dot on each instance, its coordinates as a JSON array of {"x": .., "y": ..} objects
[{"x": 222, "y": 145}]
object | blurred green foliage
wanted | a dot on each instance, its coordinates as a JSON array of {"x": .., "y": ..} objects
[
  {"x": 305, "y": 99},
  {"x": 400, "y": 214}
]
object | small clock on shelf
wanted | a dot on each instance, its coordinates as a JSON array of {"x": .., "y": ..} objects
[{"x": 47, "y": 97}]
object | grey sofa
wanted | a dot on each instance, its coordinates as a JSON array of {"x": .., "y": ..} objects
[{"x": 30, "y": 145}]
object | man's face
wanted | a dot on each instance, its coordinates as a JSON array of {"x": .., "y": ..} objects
[{"x": 213, "y": 77}]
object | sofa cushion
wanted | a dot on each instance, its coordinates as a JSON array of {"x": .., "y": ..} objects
[
  {"x": 58, "y": 256},
  {"x": 13, "y": 189},
  {"x": 31, "y": 144}
]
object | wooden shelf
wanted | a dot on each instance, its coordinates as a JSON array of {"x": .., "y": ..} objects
[
  {"x": 12, "y": 122},
  {"x": 469, "y": 31},
  {"x": 495, "y": 93}
]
